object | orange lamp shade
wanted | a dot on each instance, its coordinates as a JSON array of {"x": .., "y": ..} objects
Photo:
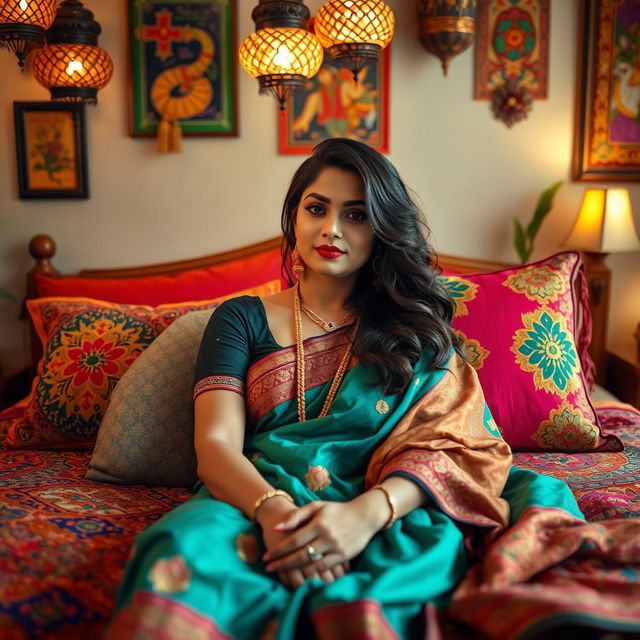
[
  {"x": 281, "y": 51},
  {"x": 350, "y": 22},
  {"x": 72, "y": 72},
  {"x": 604, "y": 223},
  {"x": 38, "y": 13},
  {"x": 23, "y": 24}
]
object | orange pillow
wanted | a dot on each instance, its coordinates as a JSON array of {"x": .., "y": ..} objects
[
  {"x": 88, "y": 344},
  {"x": 195, "y": 284}
]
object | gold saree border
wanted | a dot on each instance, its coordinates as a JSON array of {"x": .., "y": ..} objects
[
  {"x": 359, "y": 620},
  {"x": 151, "y": 615},
  {"x": 271, "y": 380},
  {"x": 443, "y": 443},
  {"x": 550, "y": 566}
]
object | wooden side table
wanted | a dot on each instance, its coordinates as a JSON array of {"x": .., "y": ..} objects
[{"x": 623, "y": 373}]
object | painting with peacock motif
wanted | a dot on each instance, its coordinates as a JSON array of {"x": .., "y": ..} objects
[
  {"x": 607, "y": 135},
  {"x": 182, "y": 66}
]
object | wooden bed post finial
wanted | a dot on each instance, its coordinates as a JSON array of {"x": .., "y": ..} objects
[{"x": 43, "y": 247}]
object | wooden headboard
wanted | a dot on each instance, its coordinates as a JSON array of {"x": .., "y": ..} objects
[{"x": 43, "y": 248}]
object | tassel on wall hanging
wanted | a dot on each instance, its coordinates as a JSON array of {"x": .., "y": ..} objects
[
  {"x": 182, "y": 70},
  {"x": 447, "y": 27},
  {"x": 512, "y": 56}
]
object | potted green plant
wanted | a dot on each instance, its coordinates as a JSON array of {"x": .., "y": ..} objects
[{"x": 523, "y": 238}]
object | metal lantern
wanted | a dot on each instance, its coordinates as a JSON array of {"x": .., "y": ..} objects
[
  {"x": 72, "y": 65},
  {"x": 23, "y": 24},
  {"x": 447, "y": 27},
  {"x": 355, "y": 31},
  {"x": 281, "y": 53}
]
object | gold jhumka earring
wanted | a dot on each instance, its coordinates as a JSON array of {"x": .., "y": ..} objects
[{"x": 297, "y": 263}]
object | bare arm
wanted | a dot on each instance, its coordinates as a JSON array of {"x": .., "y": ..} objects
[
  {"x": 218, "y": 440},
  {"x": 374, "y": 505},
  {"x": 230, "y": 477}
]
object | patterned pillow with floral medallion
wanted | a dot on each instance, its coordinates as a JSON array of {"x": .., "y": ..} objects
[
  {"x": 88, "y": 345},
  {"x": 519, "y": 330}
]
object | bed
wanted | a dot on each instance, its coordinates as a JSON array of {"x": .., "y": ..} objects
[{"x": 64, "y": 539}]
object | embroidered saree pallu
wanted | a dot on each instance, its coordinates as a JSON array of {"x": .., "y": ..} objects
[{"x": 475, "y": 548}]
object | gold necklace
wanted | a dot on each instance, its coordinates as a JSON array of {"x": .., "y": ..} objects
[
  {"x": 327, "y": 325},
  {"x": 340, "y": 372}
]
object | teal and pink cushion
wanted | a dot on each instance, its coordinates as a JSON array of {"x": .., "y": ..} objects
[
  {"x": 519, "y": 329},
  {"x": 194, "y": 284},
  {"x": 64, "y": 540}
]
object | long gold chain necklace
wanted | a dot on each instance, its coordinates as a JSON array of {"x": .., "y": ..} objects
[{"x": 300, "y": 373}]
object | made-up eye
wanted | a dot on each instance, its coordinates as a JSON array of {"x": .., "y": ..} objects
[
  {"x": 357, "y": 214},
  {"x": 315, "y": 209}
]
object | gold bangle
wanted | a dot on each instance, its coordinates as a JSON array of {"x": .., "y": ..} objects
[
  {"x": 272, "y": 493},
  {"x": 393, "y": 505}
]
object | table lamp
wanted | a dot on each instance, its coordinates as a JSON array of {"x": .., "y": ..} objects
[{"x": 604, "y": 225}]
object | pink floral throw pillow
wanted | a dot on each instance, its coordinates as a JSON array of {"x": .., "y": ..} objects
[{"x": 519, "y": 329}]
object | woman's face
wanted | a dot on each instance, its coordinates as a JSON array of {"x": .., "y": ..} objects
[{"x": 332, "y": 231}]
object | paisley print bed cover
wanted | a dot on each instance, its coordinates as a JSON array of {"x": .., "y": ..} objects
[{"x": 64, "y": 540}]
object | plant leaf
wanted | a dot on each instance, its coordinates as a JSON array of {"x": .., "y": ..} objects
[
  {"x": 6, "y": 295},
  {"x": 519, "y": 240},
  {"x": 543, "y": 207}
]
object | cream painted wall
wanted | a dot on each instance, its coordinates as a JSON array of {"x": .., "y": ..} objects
[{"x": 471, "y": 173}]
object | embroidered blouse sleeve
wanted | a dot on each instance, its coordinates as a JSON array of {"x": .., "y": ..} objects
[{"x": 223, "y": 357}]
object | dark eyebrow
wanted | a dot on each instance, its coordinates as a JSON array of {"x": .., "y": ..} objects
[
  {"x": 348, "y": 203},
  {"x": 317, "y": 196}
]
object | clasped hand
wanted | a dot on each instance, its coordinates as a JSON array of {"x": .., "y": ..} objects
[{"x": 337, "y": 530}]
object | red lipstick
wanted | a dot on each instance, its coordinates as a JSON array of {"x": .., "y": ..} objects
[{"x": 329, "y": 251}]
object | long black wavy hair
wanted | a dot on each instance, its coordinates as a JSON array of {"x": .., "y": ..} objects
[{"x": 403, "y": 305}]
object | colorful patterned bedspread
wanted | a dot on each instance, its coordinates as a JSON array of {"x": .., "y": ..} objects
[{"x": 64, "y": 540}]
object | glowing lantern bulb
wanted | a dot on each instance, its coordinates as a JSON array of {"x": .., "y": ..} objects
[
  {"x": 284, "y": 57},
  {"x": 74, "y": 65}
]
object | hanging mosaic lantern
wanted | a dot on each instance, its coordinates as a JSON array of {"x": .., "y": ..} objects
[
  {"x": 447, "y": 27},
  {"x": 23, "y": 24},
  {"x": 355, "y": 31},
  {"x": 281, "y": 53},
  {"x": 72, "y": 65}
]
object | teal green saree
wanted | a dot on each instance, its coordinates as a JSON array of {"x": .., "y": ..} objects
[{"x": 468, "y": 555}]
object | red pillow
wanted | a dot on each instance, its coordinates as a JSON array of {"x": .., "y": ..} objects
[{"x": 196, "y": 284}]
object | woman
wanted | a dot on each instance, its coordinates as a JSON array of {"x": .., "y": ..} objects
[{"x": 350, "y": 478}]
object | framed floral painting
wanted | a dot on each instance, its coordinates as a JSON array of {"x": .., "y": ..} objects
[
  {"x": 51, "y": 150},
  {"x": 607, "y": 133},
  {"x": 333, "y": 105}
]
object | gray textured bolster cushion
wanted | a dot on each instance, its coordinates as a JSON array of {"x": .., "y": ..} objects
[{"x": 146, "y": 435}]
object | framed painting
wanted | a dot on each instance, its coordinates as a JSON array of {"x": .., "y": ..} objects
[
  {"x": 607, "y": 126},
  {"x": 333, "y": 105},
  {"x": 51, "y": 150},
  {"x": 182, "y": 66}
]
